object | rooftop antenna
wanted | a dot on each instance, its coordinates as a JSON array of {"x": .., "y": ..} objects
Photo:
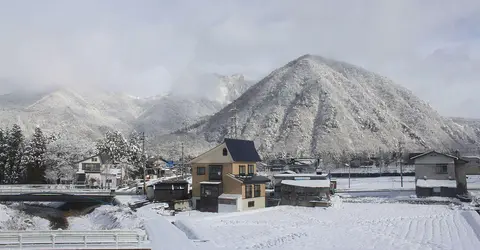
[{"x": 234, "y": 120}]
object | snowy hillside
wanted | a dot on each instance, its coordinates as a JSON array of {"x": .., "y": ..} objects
[
  {"x": 317, "y": 105},
  {"x": 89, "y": 112},
  {"x": 66, "y": 111},
  {"x": 171, "y": 112}
]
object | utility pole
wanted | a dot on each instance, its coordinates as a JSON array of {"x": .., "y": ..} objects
[
  {"x": 348, "y": 175},
  {"x": 234, "y": 120},
  {"x": 183, "y": 162},
  {"x": 400, "y": 154},
  {"x": 144, "y": 165}
]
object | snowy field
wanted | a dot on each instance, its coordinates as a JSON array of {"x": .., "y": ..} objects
[
  {"x": 391, "y": 182},
  {"x": 344, "y": 226},
  {"x": 376, "y": 183},
  {"x": 374, "y": 169}
]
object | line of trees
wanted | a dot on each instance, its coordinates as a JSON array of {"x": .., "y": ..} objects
[
  {"x": 123, "y": 151},
  {"x": 39, "y": 158}
]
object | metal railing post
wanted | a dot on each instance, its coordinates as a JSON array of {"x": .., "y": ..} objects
[
  {"x": 20, "y": 241},
  {"x": 116, "y": 240}
]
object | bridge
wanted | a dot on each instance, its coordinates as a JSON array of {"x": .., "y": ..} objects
[
  {"x": 62, "y": 193},
  {"x": 102, "y": 239}
]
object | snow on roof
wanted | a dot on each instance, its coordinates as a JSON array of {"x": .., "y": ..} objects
[
  {"x": 436, "y": 183},
  {"x": 230, "y": 196},
  {"x": 308, "y": 183},
  {"x": 210, "y": 182}
]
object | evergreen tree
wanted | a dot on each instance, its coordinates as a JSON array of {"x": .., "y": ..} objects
[
  {"x": 14, "y": 170},
  {"x": 3, "y": 154},
  {"x": 135, "y": 157},
  {"x": 35, "y": 157}
]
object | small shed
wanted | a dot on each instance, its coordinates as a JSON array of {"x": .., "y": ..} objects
[
  {"x": 167, "y": 191},
  {"x": 229, "y": 203},
  {"x": 303, "y": 192}
]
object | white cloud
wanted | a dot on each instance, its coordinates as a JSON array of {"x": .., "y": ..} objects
[{"x": 144, "y": 46}]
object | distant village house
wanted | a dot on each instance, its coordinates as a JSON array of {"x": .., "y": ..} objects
[{"x": 439, "y": 174}]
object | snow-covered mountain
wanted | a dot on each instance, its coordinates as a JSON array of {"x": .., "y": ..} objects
[
  {"x": 317, "y": 105},
  {"x": 312, "y": 105},
  {"x": 68, "y": 111},
  {"x": 171, "y": 112},
  {"x": 89, "y": 112}
]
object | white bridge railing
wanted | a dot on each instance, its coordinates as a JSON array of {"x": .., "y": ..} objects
[
  {"x": 64, "y": 189},
  {"x": 73, "y": 239}
]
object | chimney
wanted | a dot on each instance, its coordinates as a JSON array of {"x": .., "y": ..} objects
[{"x": 457, "y": 153}]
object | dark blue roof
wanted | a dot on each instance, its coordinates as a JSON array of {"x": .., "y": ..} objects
[{"x": 242, "y": 150}]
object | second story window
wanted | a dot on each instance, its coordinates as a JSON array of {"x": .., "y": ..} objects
[
  {"x": 248, "y": 191},
  {"x": 441, "y": 169},
  {"x": 94, "y": 159},
  {"x": 251, "y": 169},
  {"x": 215, "y": 173},
  {"x": 225, "y": 152},
  {"x": 200, "y": 170},
  {"x": 241, "y": 169}
]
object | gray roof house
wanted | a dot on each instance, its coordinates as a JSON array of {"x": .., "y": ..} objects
[{"x": 440, "y": 174}]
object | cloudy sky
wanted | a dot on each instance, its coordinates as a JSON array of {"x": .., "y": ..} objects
[{"x": 143, "y": 47}]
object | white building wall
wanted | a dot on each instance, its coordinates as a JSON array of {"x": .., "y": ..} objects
[
  {"x": 426, "y": 166},
  {"x": 259, "y": 203}
]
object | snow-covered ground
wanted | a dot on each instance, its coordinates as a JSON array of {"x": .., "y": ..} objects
[
  {"x": 11, "y": 219},
  {"x": 107, "y": 217},
  {"x": 374, "y": 169},
  {"x": 391, "y": 182},
  {"x": 343, "y": 226},
  {"x": 373, "y": 183}
]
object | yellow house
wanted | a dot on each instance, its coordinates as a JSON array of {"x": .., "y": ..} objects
[{"x": 224, "y": 178}]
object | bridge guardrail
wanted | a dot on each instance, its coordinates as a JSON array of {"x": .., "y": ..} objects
[
  {"x": 26, "y": 189},
  {"x": 72, "y": 239}
]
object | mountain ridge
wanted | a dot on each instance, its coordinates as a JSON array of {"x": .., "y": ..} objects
[{"x": 313, "y": 105}]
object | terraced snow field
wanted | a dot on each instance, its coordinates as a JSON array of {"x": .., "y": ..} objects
[{"x": 343, "y": 226}]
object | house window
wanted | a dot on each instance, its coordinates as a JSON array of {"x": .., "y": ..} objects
[
  {"x": 248, "y": 191},
  {"x": 250, "y": 169},
  {"x": 91, "y": 167},
  {"x": 225, "y": 152},
  {"x": 200, "y": 170},
  {"x": 441, "y": 169},
  {"x": 256, "y": 191},
  {"x": 251, "y": 203},
  {"x": 241, "y": 169},
  {"x": 94, "y": 159},
  {"x": 215, "y": 173}
]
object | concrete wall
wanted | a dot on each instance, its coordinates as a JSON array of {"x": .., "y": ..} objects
[
  {"x": 426, "y": 166},
  {"x": 259, "y": 203},
  {"x": 440, "y": 192}
]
